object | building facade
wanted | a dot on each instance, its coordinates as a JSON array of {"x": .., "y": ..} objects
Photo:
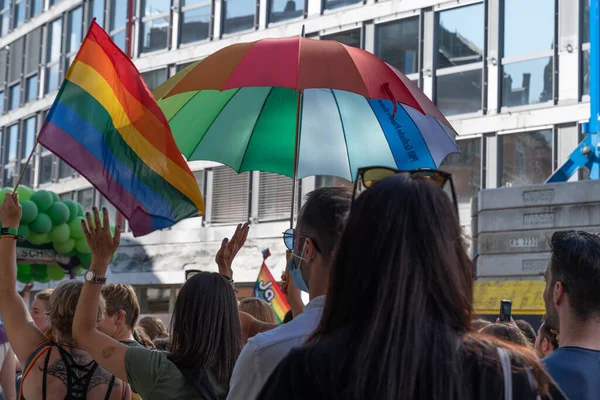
[{"x": 511, "y": 75}]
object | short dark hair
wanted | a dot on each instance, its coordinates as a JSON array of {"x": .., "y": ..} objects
[
  {"x": 506, "y": 332},
  {"x": 322, "y": 217},
  {"x": 548, "y": 332},
  {"x": 527, "y": 330},
  {"x": 575, "y": 262}
]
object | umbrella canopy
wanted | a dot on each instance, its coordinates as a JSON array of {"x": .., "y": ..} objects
[{"x": 256, "y": 106}]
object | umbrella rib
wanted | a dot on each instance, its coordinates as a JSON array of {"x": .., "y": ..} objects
[
  {"x": 337, "y": 105},
  {"x": 254, "y": 126}
]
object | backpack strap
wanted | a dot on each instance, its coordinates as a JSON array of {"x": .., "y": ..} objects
[
  {"x": 507, "y": 372},
  {"x": 35, "y": 356}
]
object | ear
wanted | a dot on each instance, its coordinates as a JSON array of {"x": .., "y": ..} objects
[
  {"x": 120, "y": 316},
  {"x": 558, "y": 293},
  {"x": 310, "y": 251},
  {"x": 545, "y": 346}
]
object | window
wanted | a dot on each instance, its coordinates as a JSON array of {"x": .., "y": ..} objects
[
  {"x": 349, "y": 38},
  {"x": 525, "y": 158},
  {"x": 53, "y": 2},
  {"x": 333, "y": 4},
  {"x": 281, "y": 10},
  {"x": 397, "y": 43},
  {"x": 459, "y": 76},
  {"x": 195, "y": 21},
  {"x": 465, "y": 169},
  {"x": 75, "y": 34},
  {"x": 1, "y": 103},
  {"x": 66, "y": 196},
  {"x": 274, "y": 197},
  {"x": 4, "y": 17},
  {"x": 14, "y": 96},
  {"x": 528, "y": 65},
  {"x": 31, "y": 89},
  {"x": 154, "y": 31},
  {"x": 97, "y": 10},
  {"x": 28, "y": 140},
  {"x": 64, "y": 170},
  {"x": 239, "y": 15},
  {"x": 86, "y": 198},
  {"x": 36, "y": 8},
  {"x": 179, "y": 67},
  {"x": 19, "y": 13},
  {"x": 33, "y": 53},
  {"x": 53, "y": 55},
  {"x": 230, "y": 203},
  {"x": 155, "y": 78},
  {"x": 45, "y": 167},
  {"x": 584, "y": 35},
  {"x": 10, "y": 154},
  {"x": 118, "y": 23}
]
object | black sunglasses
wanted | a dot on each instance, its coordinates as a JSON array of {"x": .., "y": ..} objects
[
  {"x": 370, "y": 175},
  {"x": 191, "y": 272}
]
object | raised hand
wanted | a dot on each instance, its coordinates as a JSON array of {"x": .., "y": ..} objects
[
  {"x": 10, "y": 211},
  {"x": 99, "y": 238},
  {"x": 230, "y": 248}
]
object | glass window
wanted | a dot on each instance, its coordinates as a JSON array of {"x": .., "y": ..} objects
[
  {"x": 97, "y": 9},
  {"x": 349, "y": 38},
  {"x": 1, "y": 103},
  {"x": 155, "y": 34},
  {"x": 5, "y": 22},
  {"x": 31, "y": 88},
  {"x": 459, "y": 93},
  {"x": 64, "y": 170},
  {"x": 120, "y": 39},
  {"x": 36, "y": 7},
  {"x": 155, "y": 78},
  {"x": 527, "y": 82},
  {"x": 585, "y": 67},
  {"x": 54, "y": 40},
  {"x": 10, "y": 152},
  {"x": 86, "y": 198},
  {"x": 27, "y": 178},
  {"x": 75, "y": 30},
  {"x": 19, "y": 13},
  {"x": 465, "y": 169},
  {"x": 525, "y": 158},
  {"x": 53, "y": 2},
  {"x": 195, "y": 24},
  {"x": 28, "y": 140},
  {"x": 14, "y": 96},
  {"x": 528, "y": 27},
  {"x": 154, "y": 7},
  {"x": 332, "y": 4},
  {"x": 397, "y": 43},
  {"x": 9, "y": 175},
  {"x": 461, "y": 43},
  {"x": 238, "y": 15},
  {"x": 585, "y": 24},
  {"x": 118, "y": 14},
  {"x": 45, "y": 172},
  {"x": 66, "y": 196},
  {"x": 281, "y": 10},
  {"x": 52, "y": 78}
]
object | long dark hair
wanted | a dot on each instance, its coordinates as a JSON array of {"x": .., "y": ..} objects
[
  {"x": 205, "y": 329},
  {"x": 400, "y": 291}
]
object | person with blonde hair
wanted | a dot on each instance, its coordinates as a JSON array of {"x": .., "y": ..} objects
[
  {"x": 154, "y": 327},
  {"x": 259, "y": 309},
  {"x": 51, "y": 370},
  {"x": 40, "y": 308},
  {"x": 121, "y": 313}
]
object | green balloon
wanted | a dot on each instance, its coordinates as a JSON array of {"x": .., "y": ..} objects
[
  {"x": 38, "y": 238},
  {"x": 24, "y": 231},
  {"x": 73, "y": 252},
  {"x": 41, "y": 224},
  {"x": 58, "y": 213},
  {"x": 76, "y": 228},
  {"x": 82, "y": 246},
  {"x": 55, "y": 198},
  {"x": 39, "y": 273},
  {"x": 85, "y": 259},
  {"x": 60, "y": 233},
  {"x": 79, "y": 210},
  {"x": 55, "y": 272},
  {"x": 79, "y": 270},
  {"x": 43, "y": 199},
  {"x": 24, "y": 193},
  {"x": 29, "y": 211},
  {"x": 3, "y": 193},
  {"x": 64, "y": 247},
  {"x": 24, "y": 273},
  {"x": 72, "y": 206}
]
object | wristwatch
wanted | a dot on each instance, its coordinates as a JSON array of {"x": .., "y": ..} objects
[{"x": 93, "y": 277}]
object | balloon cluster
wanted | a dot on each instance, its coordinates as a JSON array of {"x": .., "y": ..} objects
[{"x": 48, "y": 222}]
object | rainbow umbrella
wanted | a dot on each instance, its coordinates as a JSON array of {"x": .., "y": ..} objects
[{"x": 301, "y": 107}]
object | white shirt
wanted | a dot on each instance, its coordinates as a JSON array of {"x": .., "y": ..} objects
[{"x": 264, "y": 351}]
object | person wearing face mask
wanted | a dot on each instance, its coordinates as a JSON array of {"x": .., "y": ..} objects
[{"x": 318, "y": 229}]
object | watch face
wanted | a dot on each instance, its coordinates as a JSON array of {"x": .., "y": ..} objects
[{"x": 89, "y": 275}]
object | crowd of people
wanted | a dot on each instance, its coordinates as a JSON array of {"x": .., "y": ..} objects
[{"x": 390, "y": 316}]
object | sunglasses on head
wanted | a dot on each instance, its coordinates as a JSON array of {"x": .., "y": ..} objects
[
  {"x": 191, "y": 272},
  {"x": 369, "y": 176}
]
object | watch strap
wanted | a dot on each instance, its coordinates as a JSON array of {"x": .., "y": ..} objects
[{"x": 96, "y": 278}]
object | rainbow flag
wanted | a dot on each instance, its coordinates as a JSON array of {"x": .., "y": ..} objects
[
  {"x": 266, "y": 288},
  {"x": 106, "y": 124}
]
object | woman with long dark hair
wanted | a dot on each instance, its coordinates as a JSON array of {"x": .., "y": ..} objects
[
  {"x": 205, "y": 337},
  {"x": 397, "y": 320}
]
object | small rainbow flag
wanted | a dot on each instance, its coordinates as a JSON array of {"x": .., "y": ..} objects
[
  {"x": 106, "y": 124},
  {"x": 266, "y": 288}
]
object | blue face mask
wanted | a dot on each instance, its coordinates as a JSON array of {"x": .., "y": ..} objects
[{"x": 296, "y": 274}]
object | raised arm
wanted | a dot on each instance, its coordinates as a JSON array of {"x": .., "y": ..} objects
[
  {"x": 107, "y": 352},
  {"x": 230, "y": 248},
  {"x": 22, "y": 333}
]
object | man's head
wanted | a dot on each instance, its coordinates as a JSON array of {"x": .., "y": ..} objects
[
  {"x": 63, "y": 303},
  {"x": 320, "y": 224},
  {"x": 122, "y": 311},
  {"x": 527, "y": 330},
  {"x": 573, "y": 277},
  {"x": 546, "y": 341}
]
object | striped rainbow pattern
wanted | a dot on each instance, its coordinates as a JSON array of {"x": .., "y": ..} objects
[
  {"x": 266, "y": 288},
  {"x": 106, "y": 124}
]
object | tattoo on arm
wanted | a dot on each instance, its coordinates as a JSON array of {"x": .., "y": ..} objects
[{"x": 108, "y": 352}]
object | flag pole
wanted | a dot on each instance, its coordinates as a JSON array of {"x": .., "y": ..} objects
[{"x": 25, "y": 166}]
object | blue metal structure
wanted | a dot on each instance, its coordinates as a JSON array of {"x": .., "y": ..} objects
[{"x": 587, "y": 154}]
